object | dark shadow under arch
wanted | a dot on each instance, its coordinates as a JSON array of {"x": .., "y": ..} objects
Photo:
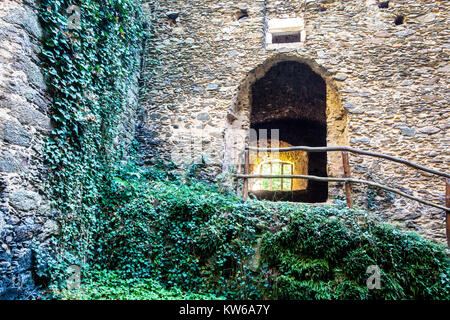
[{"x": 292, "y": 98}]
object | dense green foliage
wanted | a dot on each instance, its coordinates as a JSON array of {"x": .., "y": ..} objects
[
  {"x": 90, "y": 70},
  {"x": 196, "y": 238},
  {"x": 108, "y": 285},
  {"x": 181, "y": 232},
  {"x": 324, "y": 254},
  {"x": 145, "y": 233}
]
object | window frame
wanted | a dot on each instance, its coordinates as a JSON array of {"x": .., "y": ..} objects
[
  {"x": 285, "y": 26},
  {"x": 282, "y": 164}
]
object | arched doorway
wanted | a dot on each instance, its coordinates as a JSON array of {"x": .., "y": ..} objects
[{"x": 288, "y": 101}]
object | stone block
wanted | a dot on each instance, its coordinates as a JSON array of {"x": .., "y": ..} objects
[
  {"x": 26, "y": 18},
  {"x": 15, "y": 133},
  {"x": 24, "y": 200},
  {"x": 9, "y": 162}
]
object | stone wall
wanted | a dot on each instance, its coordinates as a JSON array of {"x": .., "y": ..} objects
[
  {"x": 387, "y": 91},
  {"x": 26, "y": 218},
  {"x": 24, "y": 212},
  {"x": 387, "y": 88}
]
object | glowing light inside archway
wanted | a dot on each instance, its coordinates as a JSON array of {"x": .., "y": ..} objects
[
  {"x": 274, "y": 167},
  {"x": 278, "y": 163}
]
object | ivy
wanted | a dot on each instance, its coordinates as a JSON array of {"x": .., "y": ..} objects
[
  {"x": 109, "y": 285},
  {"x": 152, "y": 233},
  {"x": 91, "y": 68},
  {"x": 193, "y": 237},
  {"x": 324, "y": 253}
]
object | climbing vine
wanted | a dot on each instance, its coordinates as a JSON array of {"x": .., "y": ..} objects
[
  {"x": 163, "y": 234},
  {"x": 91, "y": 55},
  {"x": 192, "y": 237}
]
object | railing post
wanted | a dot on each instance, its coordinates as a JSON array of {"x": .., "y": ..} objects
[
  {"x": 348, "y": 188},
  {"x": 239, "y": 171},
  {"x": 246, "y": 170},
  {"x": 447, "y": 213}
]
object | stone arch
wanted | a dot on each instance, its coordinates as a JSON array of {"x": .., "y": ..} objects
[{"x": 239, "y": 115}]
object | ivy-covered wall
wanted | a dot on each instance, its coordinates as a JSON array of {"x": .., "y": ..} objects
[
  {"x": 64, "y": 148},
  {"x": 68, "y": 102}
]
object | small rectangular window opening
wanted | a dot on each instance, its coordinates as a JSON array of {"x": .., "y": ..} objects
[{"x": 286, "y": 38}]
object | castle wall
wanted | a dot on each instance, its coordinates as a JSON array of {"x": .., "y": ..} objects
[
  {"x": 387, "y": 88},
  {"x": 24, "y": 123},
  {"x": 26, "y": 217}
]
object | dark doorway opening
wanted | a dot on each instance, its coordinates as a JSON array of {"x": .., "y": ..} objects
[{"x": 291, "y": 97}]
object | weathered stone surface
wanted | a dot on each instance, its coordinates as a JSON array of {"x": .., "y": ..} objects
[
  {"x": 426, "y": 18},
  {"x": 212, "y": 86},
  {"x": 23, "y": 129},
  {"x": 387, "y": 84},
  {"x": 2, "y": 224},
  {"x": 13, "y": 132},
  {"x": 24, "y": 200},
  {"x": 404, "y": 33},
  {"x": 34, "y": 75},
  {"x": 429, "y": 130},
  {"x": 49, "y": 229},
  {"x": 23, "y": 258},
  {"x": 23, "y": 16},
  {"x": 407, "y": 131},
  {"x": 203, "y": 116},
  {"x": 44, "y": 210},
  {"x": 9, "y": 162},
  {"x": 363, "y": 140},
  {"x": 340, "y": 77},
  {"x": 27, "y": 113}
]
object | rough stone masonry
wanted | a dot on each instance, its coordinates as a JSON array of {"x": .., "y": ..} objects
[
  {"x": 387, "y": 89},
  {"x": 25, "y": 212},
  {"x": 386, "y": 68}
]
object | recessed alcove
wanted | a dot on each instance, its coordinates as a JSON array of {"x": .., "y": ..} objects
[
  {"x": 241, "y": 14},
  {"x": 399, "y": 20},
  {"x": 290, "y": 101},
  {"x": 383, "y": 5},
  {"x": 285, "y": 32},
  {"x": 286, "y": 38},
  {"x": 287, "y": 101}
]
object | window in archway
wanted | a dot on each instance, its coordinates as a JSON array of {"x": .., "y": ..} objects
[{"x": 277, "y": 168}]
